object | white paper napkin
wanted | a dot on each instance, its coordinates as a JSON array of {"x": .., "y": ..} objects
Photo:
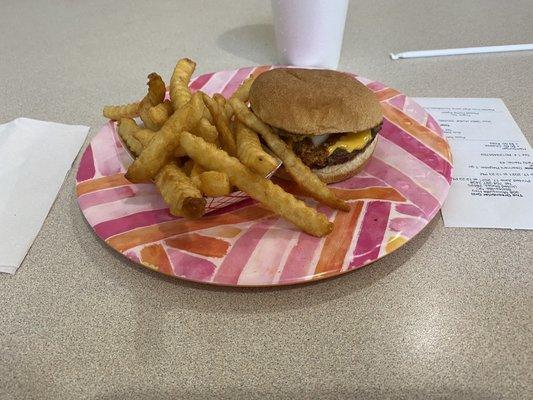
[{"x": 35, "y": 157}]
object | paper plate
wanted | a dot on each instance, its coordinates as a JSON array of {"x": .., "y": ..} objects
[{"x": 400, "y": 190}]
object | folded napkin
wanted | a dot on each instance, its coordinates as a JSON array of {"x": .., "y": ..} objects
[{"x": 35, "y": 157}]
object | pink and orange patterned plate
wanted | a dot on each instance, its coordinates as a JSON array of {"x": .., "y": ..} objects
[{"x": 244, "y": 244}]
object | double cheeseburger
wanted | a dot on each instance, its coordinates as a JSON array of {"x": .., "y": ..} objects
[{"x": 328, "y": 118}]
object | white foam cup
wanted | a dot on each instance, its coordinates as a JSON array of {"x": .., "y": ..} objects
[{"x": 309, "y": 32}]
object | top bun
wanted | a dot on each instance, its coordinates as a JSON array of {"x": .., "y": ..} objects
[{"x": 314, "y": 101}]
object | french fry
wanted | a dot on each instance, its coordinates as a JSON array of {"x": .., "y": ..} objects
[
  {"x": 259, "y": 188},
  {"x": 197, "y": 104},
  {"x": 299, "y": 172},
  {"x": 156, "y": 89},
  {"x": 214, "y": 183},
  {"x": 206, "y": 131},
  {"x": 162, "y": 147},
  {"x": 243, "y": 91},
  {"x": 226, "y": 137},
  {"x": 161, "y": 112},
  {"x": 155, "y": 96},
  {"x": 179, "y": 152},
  {"x": 224, "y": 105},
  {"x": 196, "y": 170},
  {"x": 200, "y": 107},
  {"x": 251, "y": 153},
  {"x": 144, "y": 136},
  {"x": 206, "y": 114},
  {"x": 187, "y": 167},
  {"x": 147, "y": 120},
  {"x": 126, "y": 130},
  {"x": 205, "y": 111},
  {"x": 229, "y": 112},
  {"x": 125, "y": 111},
  {"x": 179, "y": 192},
  {"x": 179, "y": 83},
  {"x": 221, "y": 100},
  {"x": 197, "y": 108}
]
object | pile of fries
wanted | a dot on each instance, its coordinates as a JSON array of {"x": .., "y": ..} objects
[{"x": 194, "y": 145}]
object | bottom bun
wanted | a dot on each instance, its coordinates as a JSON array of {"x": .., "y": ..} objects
[{"x": 339, "y": 172}]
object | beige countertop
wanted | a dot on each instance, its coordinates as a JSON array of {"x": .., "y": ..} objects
[{"x": 449, "y": 315}]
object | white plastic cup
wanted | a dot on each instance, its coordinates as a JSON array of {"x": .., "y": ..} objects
[{"x": 309, "y": 32}]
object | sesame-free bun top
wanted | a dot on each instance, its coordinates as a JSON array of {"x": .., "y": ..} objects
[{"x": 314, "y": 101}]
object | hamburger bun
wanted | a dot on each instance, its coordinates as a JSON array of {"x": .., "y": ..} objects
[{"x": 314, "y": 101}]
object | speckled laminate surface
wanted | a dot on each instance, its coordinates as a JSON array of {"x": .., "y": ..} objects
[{"x": 447, "y": 316}]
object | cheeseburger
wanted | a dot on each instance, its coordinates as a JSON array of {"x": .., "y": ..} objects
[{"x": 329, "y": 119}]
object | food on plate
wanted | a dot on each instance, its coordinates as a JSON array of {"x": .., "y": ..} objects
[
  {"x": 146, "y": 119},
  {"x": 224, "y": 105},
  {"x": 250, "y": 151},
  {"x": 178, "y": 152},
  {"x": 156, "y": 90},
  {"x": 221, "y": 100},
  {"x": 125, "y": 111},
  {"x": 160, "y": 113},
  {"x": 144, "y": 136},
  {"x": 161, "y": 148},
  {"x": 156, "y": 95},
  {"x": 187, "y": 167},
  {"x": 329, "y": 119},
  {"x": 199, "y": 104},
  {"x": 215, "y": 183},
  {"x": 179, "y": 192},
  {"x": 243, "y": 91},
  {"x": 210, "y": 183},
  {"x": 300, "y": 172},
  {"x": 320, "y": 124},
  {"x": 196, "y": 170},
  {"x": 179, "y": 83},
  {"x": 206, "y": 130},
  {"x": 259, "y": 188},
  {"x": 227, "y": 140},
  {"x": 127, "y": 128}
]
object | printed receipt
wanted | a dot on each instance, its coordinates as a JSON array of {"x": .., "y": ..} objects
[{"x": 492, "y": 183}]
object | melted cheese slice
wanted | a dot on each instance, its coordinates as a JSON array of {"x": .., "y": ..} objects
[{"x": 351, "y": 141}]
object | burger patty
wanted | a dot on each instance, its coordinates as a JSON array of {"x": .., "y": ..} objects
[
  {"x": 318, "y": 156},
  {"x": 311, "y": 155}
]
